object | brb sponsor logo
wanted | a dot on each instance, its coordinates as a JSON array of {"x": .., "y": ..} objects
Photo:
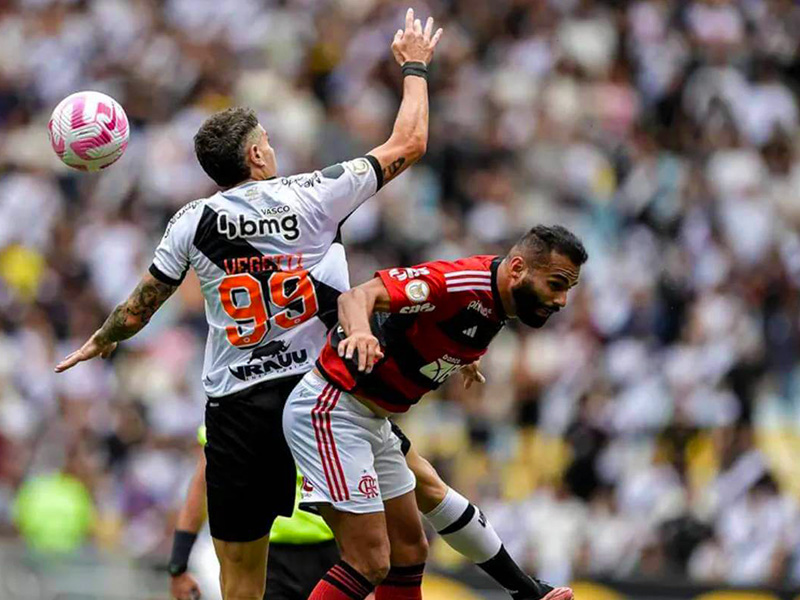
[
  {"x": 478, "y": 305},
  {"x": 245, "y": 227},
  {"x": 442, "y": 368},
  {"x": 368, "y": 486},
  {"x": 275, "y": 357}
]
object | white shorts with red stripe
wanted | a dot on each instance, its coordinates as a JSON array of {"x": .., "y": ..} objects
[{"x": 348, "y": 456}]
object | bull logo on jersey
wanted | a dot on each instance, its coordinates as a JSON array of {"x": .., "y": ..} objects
[
  {"x": 368, "y": 486},
  {"x": 245, "y": 227},
  {"x": 276, "y": 359},
  {"x": 272, "y": 349}
]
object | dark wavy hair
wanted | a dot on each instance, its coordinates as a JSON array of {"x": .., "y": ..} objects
[
  {"x": 220, "y": 145},
  {"x": 542, "y": 240}
]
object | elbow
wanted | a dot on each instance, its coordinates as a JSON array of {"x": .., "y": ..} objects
[{"x": 346, "y": 298}]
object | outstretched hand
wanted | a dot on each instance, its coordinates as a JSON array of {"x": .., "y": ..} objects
[
  {"x": 472, "y": 374},
  {"x": 415, "y": 43},
  {"x": 94, "y": 346}
]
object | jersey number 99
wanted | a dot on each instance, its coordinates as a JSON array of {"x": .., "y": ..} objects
[{"x": 292, "y": 292}]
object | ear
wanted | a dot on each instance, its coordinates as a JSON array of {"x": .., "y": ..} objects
[
  {"x": 255, "y": 157},
  {"x": 517, "y": 268}
]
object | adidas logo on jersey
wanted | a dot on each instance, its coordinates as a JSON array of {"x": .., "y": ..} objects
[
  {"x": 244, "y": 227},
  {"x": 470, "y": 331}
]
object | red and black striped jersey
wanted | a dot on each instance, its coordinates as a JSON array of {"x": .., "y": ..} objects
[{"x": 443, "y": 315}]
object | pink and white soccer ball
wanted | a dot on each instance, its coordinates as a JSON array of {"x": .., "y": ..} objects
[{"x": 89, "y": 131}]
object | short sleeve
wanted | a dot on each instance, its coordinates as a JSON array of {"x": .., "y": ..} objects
[
  {"x": 341, "y": 188},
  {"x": 422, "y": 286},
  {"x": 171, "y": 260}
]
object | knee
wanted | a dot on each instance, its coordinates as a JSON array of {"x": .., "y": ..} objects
[
  {"x": 242, "y": 571},
  {"x": 371, "y": 558},
  {"x": 410, "y": 549}
]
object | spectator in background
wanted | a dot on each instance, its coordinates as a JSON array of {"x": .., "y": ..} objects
[{"x": 664, "y": 133}]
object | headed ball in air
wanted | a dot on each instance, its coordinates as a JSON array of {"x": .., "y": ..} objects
[{"x": 88, "y": 131}]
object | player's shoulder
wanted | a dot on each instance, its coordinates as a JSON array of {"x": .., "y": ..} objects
[
  {"x": 474, "y": 266},
  {"x": 187, "y": 215},
  {"x": 465, "y": 276},
  {"x": 357, "y": 167}
]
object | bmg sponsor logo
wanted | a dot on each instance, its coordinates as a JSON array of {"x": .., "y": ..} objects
[{"x": 245, "y": 227}]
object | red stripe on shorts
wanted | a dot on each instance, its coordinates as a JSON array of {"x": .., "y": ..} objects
[
  {"x": 316, "y": 420},
  {"x": 333, "y": 442}
]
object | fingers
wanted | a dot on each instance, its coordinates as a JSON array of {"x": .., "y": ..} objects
[
  {"x": 69, "y": 362},
  {"x": 561, "y": 593},
  {"x": 436, "y": 37},
  {"x": 428, "y": 29},
  {"x": 368, "y": 348},
  {"x": 362, "y": 355},
  {"x": 374, "y": 354},
  {"x": 409, "y": 19},
  {"x": 346, "y": 348},
  {"x": 418, "y": 27}
]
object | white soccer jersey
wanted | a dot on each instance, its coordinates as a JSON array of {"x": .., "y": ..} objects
[{"x": 271, "y": 267}]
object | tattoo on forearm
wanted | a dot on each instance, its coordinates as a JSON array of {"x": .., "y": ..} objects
[
  {"x": 391, "y": 170},
  {"x": 133, "y": 314}
]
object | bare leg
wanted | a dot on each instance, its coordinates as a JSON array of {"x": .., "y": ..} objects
[
  {"x": 243, "y": 568},
  {"x": 363, "y": 541}
]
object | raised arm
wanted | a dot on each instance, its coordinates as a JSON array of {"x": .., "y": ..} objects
[
  {"x": 126, "y": 320},
  {"x": 409, "y": 138},
  {"x": 355, "y": 309}
]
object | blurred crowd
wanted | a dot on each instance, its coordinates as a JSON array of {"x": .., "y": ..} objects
[{"x": 633, "y": 436}]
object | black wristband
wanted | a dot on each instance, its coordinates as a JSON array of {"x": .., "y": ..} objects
[
  {"x": 415, "y": 68},
  {"x": 182, "y": 543}
]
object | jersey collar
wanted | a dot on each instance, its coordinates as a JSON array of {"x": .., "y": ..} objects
[{"x": 498, "y": 301}]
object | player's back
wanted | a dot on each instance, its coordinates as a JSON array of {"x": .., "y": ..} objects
[
  {"x": 271, "y": 267},
  {"x": 443, "y": 315}
]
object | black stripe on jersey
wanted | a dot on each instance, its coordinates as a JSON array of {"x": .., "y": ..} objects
[
  {"x": 216, "y": 247},
  {"x": 164, "y": 278},
  {"x": 498, "y": 301},
  {"x": 219, "y": 248},
  {"x": 389, "y": 328},
  {"x": 470, "y": 329},
  {"x": 376, "y": 165}
]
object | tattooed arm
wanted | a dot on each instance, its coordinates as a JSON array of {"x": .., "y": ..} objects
[
  {"x": 409, "y": 138},
  {"x": 126, "y": 320}
]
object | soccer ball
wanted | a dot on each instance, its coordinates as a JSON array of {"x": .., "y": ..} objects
[{"x": 88, "y": 131}]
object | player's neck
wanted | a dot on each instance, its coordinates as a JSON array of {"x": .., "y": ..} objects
[
  {"x": 504, "y": 289},
  {"x": 263, "y": 173}
]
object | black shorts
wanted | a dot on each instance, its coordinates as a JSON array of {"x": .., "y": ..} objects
[
  {"x": 250, "y": 472},
  {"x": 294, "y": 570},
  {"x": 405, "y": 443}
]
